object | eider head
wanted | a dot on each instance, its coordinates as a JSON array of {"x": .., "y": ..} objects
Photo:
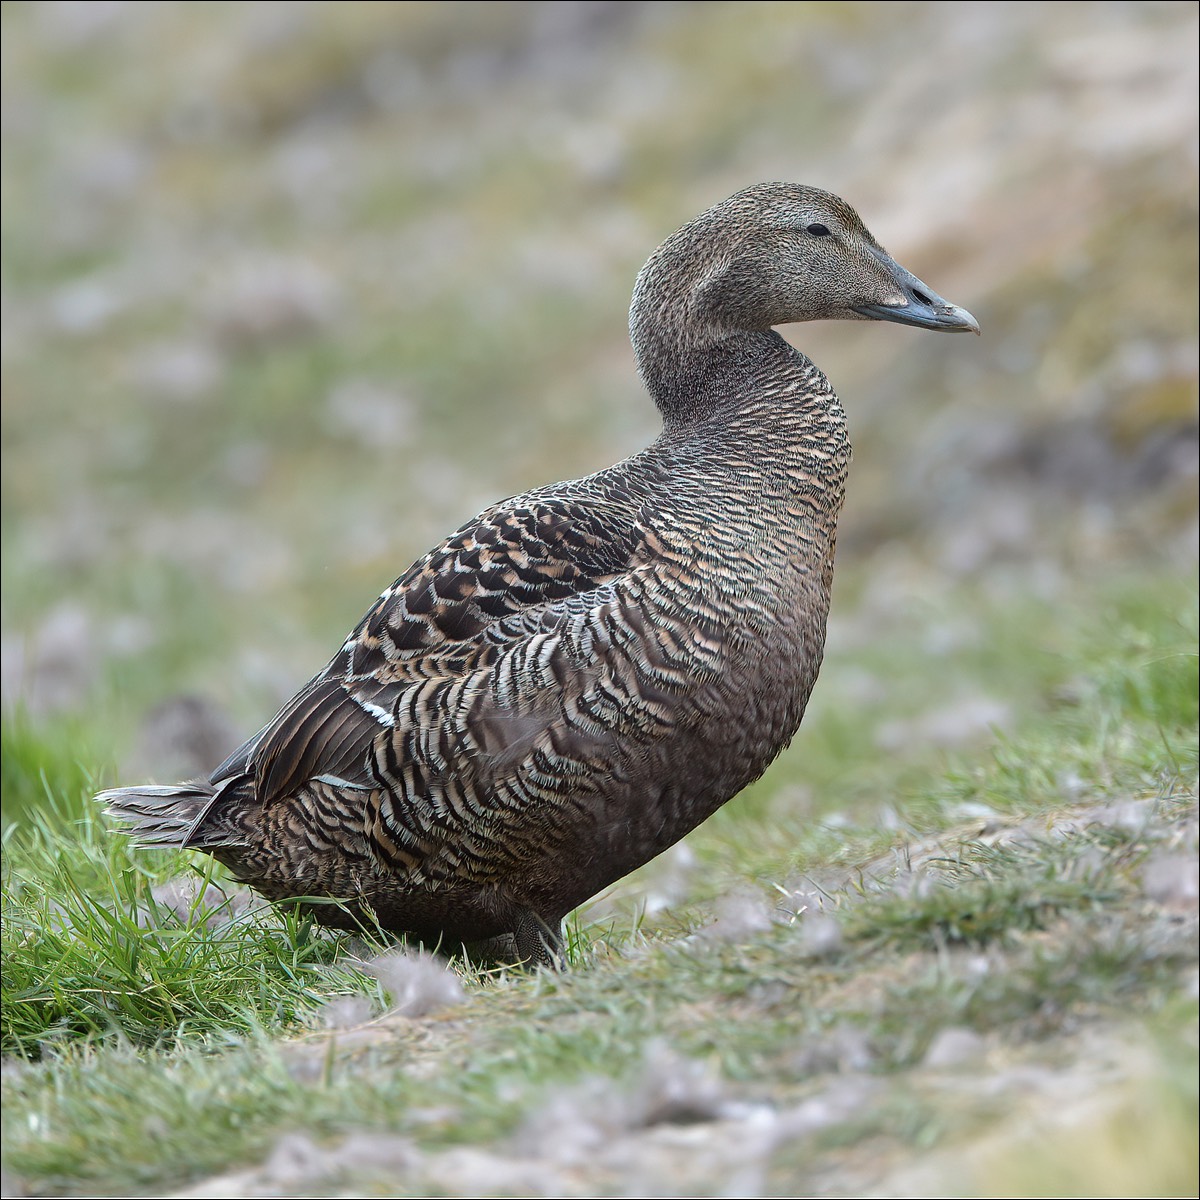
[{"x": 774, "y": 254}]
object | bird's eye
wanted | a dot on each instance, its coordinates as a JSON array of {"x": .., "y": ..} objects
[{"x": 818, "y": 230}]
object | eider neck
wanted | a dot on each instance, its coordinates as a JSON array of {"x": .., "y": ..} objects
[
  {"x": 697, "y": 350},
  {"x": 719, "y": 383}
]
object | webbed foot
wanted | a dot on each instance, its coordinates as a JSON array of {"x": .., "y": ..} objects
[{"x": 534, "y": 942}]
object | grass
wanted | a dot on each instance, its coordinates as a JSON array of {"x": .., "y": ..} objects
[
  {"x": 146, "y": 947},
  {"x": 1028, "y": 925}
]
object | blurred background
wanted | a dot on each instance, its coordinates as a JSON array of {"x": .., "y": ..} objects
[{"x": 291, "y": 290}]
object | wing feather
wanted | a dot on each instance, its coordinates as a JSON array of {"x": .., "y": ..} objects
[
  {"x": 322, "y": 731},
  {"x": 516, "y": 568}
]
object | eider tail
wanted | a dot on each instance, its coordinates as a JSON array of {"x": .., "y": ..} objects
[{"x": 173, "y": 815}]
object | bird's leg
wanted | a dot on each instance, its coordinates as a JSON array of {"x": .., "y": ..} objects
[
  {"x": 540, "y": 944},
  {"x": 533, "y": 942}
]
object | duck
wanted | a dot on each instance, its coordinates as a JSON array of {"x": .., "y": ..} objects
[{"x": 580, "y": 674}]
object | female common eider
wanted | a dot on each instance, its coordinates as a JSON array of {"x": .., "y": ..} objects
[{"x": 582, "y": 673}]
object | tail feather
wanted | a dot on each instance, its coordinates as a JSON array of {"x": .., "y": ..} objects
[{"x": 172, "y": 815}]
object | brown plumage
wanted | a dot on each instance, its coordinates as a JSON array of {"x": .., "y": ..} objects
[{"x": 583, "y": 673}]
